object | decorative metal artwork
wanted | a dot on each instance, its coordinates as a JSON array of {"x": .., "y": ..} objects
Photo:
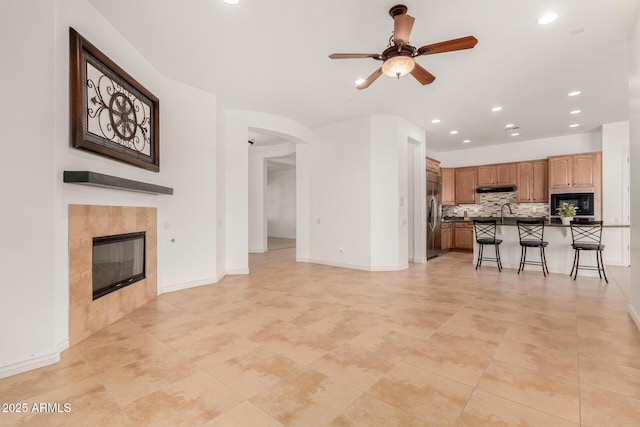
[{"x": 111, "y": 113}]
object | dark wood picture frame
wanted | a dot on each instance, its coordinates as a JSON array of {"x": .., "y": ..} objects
[{"x": 112, "y": 114}]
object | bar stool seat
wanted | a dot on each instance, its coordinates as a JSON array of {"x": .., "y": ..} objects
[
  {"x": 531, "y": 234},
  {"x": 485, "y": 231}
]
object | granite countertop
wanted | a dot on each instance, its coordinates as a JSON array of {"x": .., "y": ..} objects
[{"x": 511, "y": 221}]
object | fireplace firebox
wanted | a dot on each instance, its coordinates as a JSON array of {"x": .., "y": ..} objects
[{"x": 118, "y": 261}]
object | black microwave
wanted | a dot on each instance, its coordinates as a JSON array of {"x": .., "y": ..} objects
[{"x": 582, "y": 201}]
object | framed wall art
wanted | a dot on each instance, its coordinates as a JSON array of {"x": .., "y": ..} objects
[{"x": 111, "y": 113}]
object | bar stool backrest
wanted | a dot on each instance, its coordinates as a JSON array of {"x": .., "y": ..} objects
[
  {"x": 484, "y": 228},
  {"x": 586, "y": 232},
  {"x": 530, "y": 230}
]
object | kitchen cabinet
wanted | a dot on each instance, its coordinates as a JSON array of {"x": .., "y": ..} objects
[
  {"x": 532, "y": 182},
  {"x": 448, "y": 186},
  {"x": 500, "y": 175},
  {"x": 486, "y": 176},
  {"x": 432, "y": 165},
  {"x": 446, "y": 236},
  {"x": 575, "y": 173},
  {"x": 463, "y": 235},
  {"x": 466, "y": 185}
]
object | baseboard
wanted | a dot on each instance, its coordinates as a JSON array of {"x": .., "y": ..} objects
[
  {"x": 237, "y": 271},
  {"x": 181, "y": 286},
  {"x": 360, "y": 267},
  {"x": 303, "y": 260},
  {"x": 29, "y": 364},
  {"x": 634, "y": 315},
  {"x": 62, "y": 345},
  {"x": 257, "y": 251}
]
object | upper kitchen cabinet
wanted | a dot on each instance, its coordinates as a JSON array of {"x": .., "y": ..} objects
[
  {"x": 532, "y": 182},
  {"x": 500, "y": 175},
  {"x": 466, "y": 185},
  {"x": 448, "y": 186},
  {"x": 578, "y": 172},
  {"x": 432, "y": 165}
]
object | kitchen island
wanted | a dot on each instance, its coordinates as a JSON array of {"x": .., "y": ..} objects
[{"x": 559, "y": 253}]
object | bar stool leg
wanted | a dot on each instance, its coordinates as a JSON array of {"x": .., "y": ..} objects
[
  {"x": 544, "y": 257},
  {"x": 598, "y": 264},
  {"x": 602, "y": 263},
  {"x": 522, "y": 256},
  {"x": 577, "y": 264},
  {"x": 479, "y": 261},
  {"x": 575, "y": 256},
  {"x": 542, "y": 261},
  {"x": 498, "y": 257}
]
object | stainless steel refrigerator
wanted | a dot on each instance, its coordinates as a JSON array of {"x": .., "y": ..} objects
[{"x": 434, "y": 212}]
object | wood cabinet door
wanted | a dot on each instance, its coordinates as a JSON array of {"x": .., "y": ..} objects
[
  {"x": 560, "y": 173},
  {"x": 463, "y": 237},
  {"x": 524, "y": 182},
  {"x": 448, "y": 186},
  {"x": 466, "y": 184},
  {"x": 505, "y": 174},
  {"x": 539, "y": 182},
  {"x": 486, "y": 176},
  {"x": 584, "y": 170},
  {"x": 445, "y": 241}
]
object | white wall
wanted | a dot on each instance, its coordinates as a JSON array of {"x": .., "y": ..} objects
[
  {"x": 358, "y": 183},
  {"x": 340, "y": 188},
  {"x": 38, "y": 306},
  {"x": 615, "y": 173},
  {"x": 634, "y": 117},
  {"x": 281, "y": 203},
  {"x": 521, "y": 151},
  {"x": 27, "y": 177}
]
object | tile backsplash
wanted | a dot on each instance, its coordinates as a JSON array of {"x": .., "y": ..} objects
[{"x": 490, "y": 204}]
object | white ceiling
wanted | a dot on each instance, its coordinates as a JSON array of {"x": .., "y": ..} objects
[{"x": 272, "y": 56}]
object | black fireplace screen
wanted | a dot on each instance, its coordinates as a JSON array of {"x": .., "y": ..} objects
[{"x": 118, "y": 261}]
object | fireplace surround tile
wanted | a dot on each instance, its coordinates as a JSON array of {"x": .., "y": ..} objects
[{"x": 85, "y": 222}]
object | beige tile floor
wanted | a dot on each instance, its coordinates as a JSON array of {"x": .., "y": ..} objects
[{"x": 439, "y": 344}]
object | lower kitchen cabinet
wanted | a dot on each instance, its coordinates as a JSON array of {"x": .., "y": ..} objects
[
  {"x": 463, "y": 235},
  {"x": 446, "y": 233}
]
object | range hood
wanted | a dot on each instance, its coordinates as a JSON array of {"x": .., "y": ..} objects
[{"x": 496, "y": 189}]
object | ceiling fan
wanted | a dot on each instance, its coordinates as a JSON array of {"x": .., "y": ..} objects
[{"x": 398, "y": 58}]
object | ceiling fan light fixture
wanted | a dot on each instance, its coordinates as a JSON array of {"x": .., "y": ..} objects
[{"x": 398, "y": 66}]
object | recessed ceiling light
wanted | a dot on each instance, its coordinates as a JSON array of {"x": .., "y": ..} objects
[
  {"x": 509, "y": 126},
  {"x": 435, "y": 121},
  {"x": 574, "y": 93},
  {"x": 231, "y": 1},
  {"x": 575, "y": 125},
  {"x": 547, "y": 18},
  {"x": 359, "y": 82},
  {"x": 496, "y": 109},
  {"x": 515, "y": 134},
  {"x": 453, "y": 132},
  {"x": 466, "y": 141},
  {"x": 575, "y": 112}
]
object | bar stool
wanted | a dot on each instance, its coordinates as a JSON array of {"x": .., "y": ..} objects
[
  {"x": 485, "y": 230},
  {"x": 531, "y": 233},
  {"x": 586, "y": 236}
]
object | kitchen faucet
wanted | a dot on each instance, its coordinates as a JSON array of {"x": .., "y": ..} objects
[{"x": 502, "y": 212}]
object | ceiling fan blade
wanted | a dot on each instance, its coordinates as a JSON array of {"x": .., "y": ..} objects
[
  {"x": 448, "y": 46},
  {"x": 422, "y": 75},
  {"x": 372, "y": 78},
  {"x": 354, "y": 55},
  {"x": 402, "y": 26}
]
